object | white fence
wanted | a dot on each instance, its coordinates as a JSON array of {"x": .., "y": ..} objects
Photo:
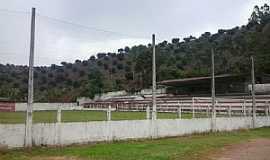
[
  {"x": 12, "y": 135},
  {"x": 48, "y": 106}
]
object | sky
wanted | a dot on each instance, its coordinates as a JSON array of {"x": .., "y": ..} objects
[{"x": 67, "y": 30}]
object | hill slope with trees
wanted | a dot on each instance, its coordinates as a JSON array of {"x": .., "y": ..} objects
[{"x": 130, "y": 68}]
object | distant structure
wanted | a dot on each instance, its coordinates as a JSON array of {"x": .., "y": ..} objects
[
  {"x": 7, "y": 105},
  {"x": 226, "y": 84}
]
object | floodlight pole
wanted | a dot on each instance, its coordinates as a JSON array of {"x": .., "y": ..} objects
[
  {"x": 213, "y": 118},
  {"x": 29, "y": 112},
  {"x": 154, "y": 108},
  {"x": 253, "y": 93}
]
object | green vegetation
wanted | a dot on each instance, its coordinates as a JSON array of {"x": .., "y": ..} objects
[
  {"x": 80, "y": 116},
  {"x": 195, "y": 147},
  {"x": 130, "y": 68}
]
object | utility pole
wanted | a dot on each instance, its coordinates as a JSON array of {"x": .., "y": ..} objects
[
  {"x": 29, "y": 112},
  {"x": 253, "y": 93},
  {"x": 213, "y": 118},
  {"x": 154, "y": 109}
]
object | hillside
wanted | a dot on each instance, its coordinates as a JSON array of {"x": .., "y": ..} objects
[{"x": 130, "y": 68}]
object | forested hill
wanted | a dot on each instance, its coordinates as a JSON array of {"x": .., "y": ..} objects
[{"x": 130, "y": 68}]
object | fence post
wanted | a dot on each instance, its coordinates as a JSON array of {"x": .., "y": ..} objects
[
  {"x": 154, "y": 78},
  {"x": 254, "y": 110},
  {"x": 109, "y": 113},
  {"x": 266, "y": 109},
  {"x": 29, "y": 110},
  {"x": 59, "y": 116},
  {"x": 193, "y": 108},
  {"x": 244, "y": 108},
  {"x": 250, "y": 111},
  {"x": 230, "y": 111},
  {"x": 207, "y": 110},
  {"x": 216, "y": 106},
  {"x": 116, "y": 106},
  {"x": 179, "y": 112},
  {"x": 147, "y": 111},
  {"x": 58, "y": 124}
]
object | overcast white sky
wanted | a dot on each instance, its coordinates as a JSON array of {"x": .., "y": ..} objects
[{"x": 136, "y": 20}]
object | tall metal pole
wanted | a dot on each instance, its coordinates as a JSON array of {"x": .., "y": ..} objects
[
  {"x": 213, "y": 118},
  {"x": 154, "y": 109},
  {"x": 253, "y": 93},
  {"x": 29, "y": 113}
]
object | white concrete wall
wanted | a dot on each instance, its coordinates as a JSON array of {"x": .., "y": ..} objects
[
  {"x": 12, "y": 135},
  {"x": 48, "y": 106}
]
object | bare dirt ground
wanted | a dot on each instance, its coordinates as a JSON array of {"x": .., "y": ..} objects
[{"x": 258, "y": 149}]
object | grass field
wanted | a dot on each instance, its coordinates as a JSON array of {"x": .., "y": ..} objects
[
  {"x": 194, "y": 147},
  {"x": 80, "y": 116}
]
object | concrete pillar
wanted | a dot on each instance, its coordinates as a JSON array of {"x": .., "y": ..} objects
[
  {"x": 116, "y": 106},
  {"x": 59, "y": 116},
  {"x": 58, "y": 124},
  {"x": 193, "y": 108},
  {"x": 179, "y": 112},
  {"x": 147, "y": 111},
  {"x": 230, "y": 111},
  {"x": 216, "y": 106},
  {"x": 154, "y": 78},
  {"x": 109, "y": 113},
  {"x": 250, "y": 111},
  {"x": 254, "y": 110},
  {"x": 207, "y": 110},
  {"x": 30, "y": 100},
  {"x": 266, "y": 109},
  {"x": 244, "y": 108}
]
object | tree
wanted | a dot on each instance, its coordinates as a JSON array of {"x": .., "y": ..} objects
[
  {"x": 64, "y": 63},
  {"x": 81, "y": 73},
  {"x": 189, "y": 39},
  {"x": 120, "y": 50},
  {"x": 120, "y": 56},
  {"x": 92, "y": 58},
  {"x": 175, "y": 40},
  {"x": 120, "y": 66},
  {"x": 77, "y": 61},
  {"x": 127, "y": 49},
  {"x": 94, "y": 84},
  {"x": 85, "y": 63},
  {"x": 260, "y": 15},
  {"x": 101, "y": 55},
  {"x": 106, "y": 67}
]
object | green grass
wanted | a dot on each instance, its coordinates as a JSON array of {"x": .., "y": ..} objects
[
  {"x": 80, "y": 116},
  {"x": 194, "y": 147}
]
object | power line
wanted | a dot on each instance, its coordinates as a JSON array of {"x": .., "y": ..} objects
[
  {"x": 90, "y": 27},
  {"x": 12, "y": 11},
  {"x": 75, "y": 24},
  {"x": 80, "y": 25}
]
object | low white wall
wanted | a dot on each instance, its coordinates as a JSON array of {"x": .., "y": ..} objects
[
  {"x": 12, "y": 135},
  {"x": 48, "y": 106}
]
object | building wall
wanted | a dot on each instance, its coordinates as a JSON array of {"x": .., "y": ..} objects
[
  {"x": 12, "y": 135},
  {"x": 7, "y": 106}
]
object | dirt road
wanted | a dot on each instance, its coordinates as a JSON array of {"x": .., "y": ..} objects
[{"x": 258, "y": 149}]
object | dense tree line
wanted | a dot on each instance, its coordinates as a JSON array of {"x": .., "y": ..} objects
[{"x": 130, "y": 69}]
